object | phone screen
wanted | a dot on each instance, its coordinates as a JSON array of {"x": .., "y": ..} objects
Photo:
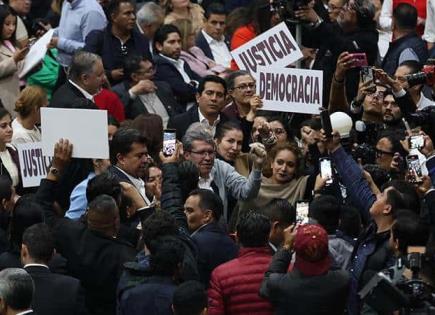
[
  {"x": 302, "y": 212},
  {"x": 414, "y": 169},
  {"x": 169, "y": 142},
  {"x": 416, "y": 142},
  {"x": 359, "y": 60},
  {"x": 367, "y": 74},
  {"x": 326, "y": 170}
]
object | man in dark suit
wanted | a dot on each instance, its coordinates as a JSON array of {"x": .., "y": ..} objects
[
  {"x": 119, "y": 40},
  {"x": 148, "y": 20},
  {"x": 140, "y": 94},
  {"x": 129, "y": 158},
  {"x": 94, "y": 251},
  {"x": 86, "y": 76},
  {"x": 16, "y": 292},
  {"x": 211, "y": 38},
  {"x": 171, "y": 69},
  {"x": 212, "y": 91},
  {"x": 54, "y": 293}
]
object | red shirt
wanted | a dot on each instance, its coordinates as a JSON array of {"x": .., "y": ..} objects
[
  {"x": 241, "y": 36},
  {"x": 420, "y": 5},
  {"x": 109, "y": 101}
]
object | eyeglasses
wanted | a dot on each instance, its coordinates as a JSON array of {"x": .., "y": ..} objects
[
  {"x": 203, "y": 154},
  {"x": 244, "y": 87},
  {"x": 149, "y": 71},
  {"x": 334, "y": 8},
  {"x": 379, "y": 153}
]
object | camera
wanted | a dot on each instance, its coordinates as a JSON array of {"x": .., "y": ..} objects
[
  {"x": 365, "y": 153},
  {"x": 286, "y": 9},
  {"x": 426, "y": 76}
]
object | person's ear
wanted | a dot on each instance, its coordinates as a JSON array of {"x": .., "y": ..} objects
[
  {"x": 197, "y": 96},
  {"x": 5, "y": 204},
  {"x": 24, "y": 254},
  {"x": 204, "y": 311},
  {"x": 159, "y": 46},
  {"x": 207, "y": 216},
  {"x": 120, "y": 159},
  {"x": 387, "y": 209},
  {"x": 3, "y": 306}
]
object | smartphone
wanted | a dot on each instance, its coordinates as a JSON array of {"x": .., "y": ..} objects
[
  {"x": 367, "y": 74},
  {"x": 302, "y": 211},
  {"x": 414, "y": 169},
  {"x": 169, "y": 142},
  {"x": 326, "y": 122},
  {"x": 359, "y": 60},
  {"x": 326, "y": 170},
  {"x": 416, "y": 142}
]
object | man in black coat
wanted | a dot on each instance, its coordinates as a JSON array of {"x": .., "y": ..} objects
[
  {"x": 94, "y": 252},
  {"x": 140, "y": 94},
  {"x": 16, "y": 292},
  {"x": 54, "y": 294},
  {"x": 118, "y": 41},
  {"x": 86, "y": 77},
  {"x": 171, "y": 69},
  {"x": 212, "y": 91}
]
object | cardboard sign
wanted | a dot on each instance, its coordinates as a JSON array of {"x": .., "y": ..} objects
[
  {"x": 86, "y": 129},
  {"x": 276, "y": 47},
  {"x": 290, "y": 90},
  {"x": 33, "y": 163},
  {"x": 36, "y": 53}
]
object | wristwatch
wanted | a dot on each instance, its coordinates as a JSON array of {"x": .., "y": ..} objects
[
  {"x": 54, "y": 171},
  {"x": 317, "y": 23}
]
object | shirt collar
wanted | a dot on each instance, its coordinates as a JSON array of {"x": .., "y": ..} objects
[
  {"x": 25, "y": 312},
  {"x": 74, "y": 3},
  {"x": 136, "y": 181},
  {"x": 210, "y": 39},
  {"x": 36, "y": 265},
  {"x": 173, "y": 61},
  {"x": 139, "y": 27},
  {"x": 84, "y": 92},
  {"x": 202, "y": 119}
]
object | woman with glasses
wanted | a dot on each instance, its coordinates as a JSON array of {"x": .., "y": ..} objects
[{"x": 193, "y": 55}]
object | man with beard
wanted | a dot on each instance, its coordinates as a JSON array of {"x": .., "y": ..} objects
[
  {"x": 171, "y": 69},
  {"x": 391, "y": 113}
]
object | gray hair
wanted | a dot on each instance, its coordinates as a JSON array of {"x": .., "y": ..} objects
[
  {"x": 149, "y": 13},
  {"x": 16, "y": 288},
  {"x": 82, "y": 63},
  {"x": 365, "y": 10},
  {"x": 196, "y": 132},
  {"x": 233, "y": 76}
]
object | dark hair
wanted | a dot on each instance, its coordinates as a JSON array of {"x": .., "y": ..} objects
[
  {"x": 4, "y": 112},
  {"x": 211, "y": 78},
  {"x": 231, "y": 78},
  {"x": 122, "y": 141},
  {"x": 208, "y": 200},
  {"x": 405, "y": 16},
  {"x": 114, "y": 5},
  {"x": 150, "y": 127},
  {"x": 409, "y": 230},
  {"x": 396, "y": 200},
  {"x": 26, "y": 213},
  {"x": 132, "y": 65},
  {"x": 188, "y": 174},
  {"x": 190, "y": 298},
  {"x": 380, "y": 176},
  {"x": 214, "y": 8},
  {"x": 102, "y": 212},
  {"x": 280, "y": 210},
  {"x": 409, "y": 198},
  {"x": 253, "y": 229},
  {"x": 413, "y": 65},
  {"x": 163, "y": 32},
  {"x": 39, "y": 242},
  {"x": 350, "y": 221},
  {"x": 158, "y": 224},
  {"x": 365, "y": 13},
  {"x": 260, "y": 15},
  {"x": 104, "y": 183},
  {"x": 5, "y": 11},
  {"x": 112, "y": 121},
  {"x": 222, "y": 129},
  {"x": 5, "y": 187},
  {"x": 167, "y": 254},
  {"x": 325, "y": 209}
]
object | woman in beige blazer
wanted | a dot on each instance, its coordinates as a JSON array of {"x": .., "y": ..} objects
[{"x": 11, "y": 59}]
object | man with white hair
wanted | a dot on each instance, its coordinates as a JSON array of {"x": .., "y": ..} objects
[
  {"x": 148, "y": 19},
  {"x": 16, "y": 292}
]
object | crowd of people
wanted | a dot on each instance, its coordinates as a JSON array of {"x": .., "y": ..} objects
[{"x": 250, "y": 211}]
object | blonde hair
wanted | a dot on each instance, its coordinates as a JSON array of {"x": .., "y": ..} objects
[
  {"x": 185, "y": 28},
  {"x": 56, "y": 6},
  {"x": 31, "y": 97}
]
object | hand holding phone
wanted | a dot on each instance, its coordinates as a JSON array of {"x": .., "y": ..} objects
[
  {"x": 169, "y": 142},
  {"x": 326, "y": 170},
  {"x": 326, "y": 123},
  {"x": 415, "y": 175},
  {"x": 302, "y": 211},
  {"x": 416, "y": 142}
]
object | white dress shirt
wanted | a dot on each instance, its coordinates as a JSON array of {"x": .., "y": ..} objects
[
  {"x": 179, "y": 64},
  {"x": 84, "y": 92},
  {"x": 219, "y": 49},
  {"x": 139, "y": 184},
  {"x": 204, "y": 121},
  {"x": 429, "y": 29},
  {"x": 153, "y": 105}
]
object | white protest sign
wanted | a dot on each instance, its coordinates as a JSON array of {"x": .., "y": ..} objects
[
  {"x": 276, "y": 47},
  {"x": 86, "y": 129},
  {"x": 290, "y": 90},
  {"x": 33, "y": 163},
  {"x": 36, "y": 53}
]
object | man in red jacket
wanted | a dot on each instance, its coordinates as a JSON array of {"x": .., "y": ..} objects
[{"x": 234, "y": 285}]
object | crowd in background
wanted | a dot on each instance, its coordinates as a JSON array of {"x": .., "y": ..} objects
[{"x": 251, "y": 211}]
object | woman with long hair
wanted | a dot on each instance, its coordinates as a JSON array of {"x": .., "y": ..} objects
[{"x": 184, "y": 9}]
